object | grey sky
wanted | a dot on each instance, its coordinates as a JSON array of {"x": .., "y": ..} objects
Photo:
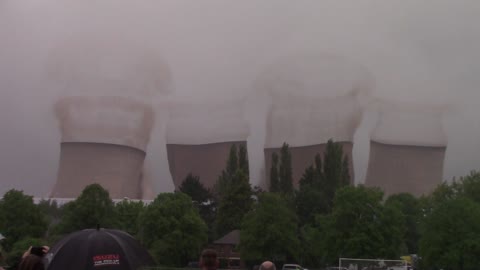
[{"x": 418, "y": 51}]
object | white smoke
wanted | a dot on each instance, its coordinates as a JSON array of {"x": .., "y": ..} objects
[
  {"x": 207, "y": 122},
  {"x": 410, "y": 124},
  {"x": 314, "y": 98},
  {"x": 415, "y": 50}
]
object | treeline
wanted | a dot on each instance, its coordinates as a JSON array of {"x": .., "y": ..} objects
[{"x": 314, "y": 224}]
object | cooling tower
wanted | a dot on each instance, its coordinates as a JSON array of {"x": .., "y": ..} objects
[
  {"x": 306, "y": 124},
  {"x": 103, "y": 141},
  {"x": 407, "y": 150},
  {"x": 200, "y": 135},
  {"x": 108, "y": 84},
  {"x": 314, "y": 98}
]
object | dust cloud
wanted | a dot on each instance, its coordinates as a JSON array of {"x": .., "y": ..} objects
[{"x": 215, "y": 51}]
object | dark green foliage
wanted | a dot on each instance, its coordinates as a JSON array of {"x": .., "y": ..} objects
[
  {"x": 451, "y": 236},
  {"x": 93, "y": 207},
  {"x": 335, "y": 169},
  {"x": 15, "y": 255},
  {"x": 236, "y": 202},
  {"x": 127, "y": 214},
  {"x": 203, "y": 200},
  {"x": 320, "y": 182},
  {"x": 243, "y": 159},
  {"x": 233, "y": 193},
  {"x": 285, "y": 171},
  {"x": 274, "y": 177},
  {"x": 269, "y": 232},
  {"x": 359, "y": 226},
  {"x": 234, "y": 164},
  {"x": 232, "y": 161},
  {"x": 195, "y": 189},
  {"x": 20, "y": 218},
  {"x": 172, "y": 229},
  {"x": 409, "y": 206},
  {"x": 53, "y": 214}
]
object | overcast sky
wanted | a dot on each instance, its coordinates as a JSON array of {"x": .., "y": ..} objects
[{"x": 417, "y": 51}]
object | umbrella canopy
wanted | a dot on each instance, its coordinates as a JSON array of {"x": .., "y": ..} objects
[{"x": 94, "y": 249}]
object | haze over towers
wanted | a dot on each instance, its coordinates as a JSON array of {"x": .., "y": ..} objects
[{"x": 105, "y": 114}]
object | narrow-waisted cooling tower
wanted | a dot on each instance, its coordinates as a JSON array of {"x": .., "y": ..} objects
[
  {"x": 109, "y": 83},
  {"x": 103, "y": 141},
  {"x": 199, "y": 138},
  {"x": 314, "y": 97},
  {"x": 117, "y": 168},
  {"x": 407, "y": 150},
  {"x": 306, "y": 124}
]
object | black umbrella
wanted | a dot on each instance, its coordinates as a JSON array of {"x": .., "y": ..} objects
[{"x": 98, "y": 249}]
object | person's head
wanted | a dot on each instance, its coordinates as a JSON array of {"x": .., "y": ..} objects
[
  {"x": 208, "y": 259},
  {"x": 31, "y": 262},
  {"x": 267, "y": 265}
]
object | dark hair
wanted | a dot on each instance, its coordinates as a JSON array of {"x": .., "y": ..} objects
[
  {"x": 267, "y": 265},
  {"x": 31, "y": 262},
  {"x": 208, "y": 259}
]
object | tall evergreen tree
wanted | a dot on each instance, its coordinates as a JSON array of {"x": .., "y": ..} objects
[
  {"x": 243, "y": 159},
  {"x": 203, "y": 200},
  {"x": 235, "y": 203},
  {"x": 195, "y": 189},
  {"x": 320, "y": 182},
  {"x": 234, "y": 193},
  {"x": 226, "y": 176},
  {"x": 285, "y": 170},
  {"x": 274, "y": 177},
  {"x": 335, "y": 170},
  {"x": 232, "y": 161}
]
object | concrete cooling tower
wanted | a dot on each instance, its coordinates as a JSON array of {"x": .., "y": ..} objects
[
  {"x": 407, "y": 150},
  {"x": 103, "y": 141},
  {"x": 306, "y": 124},
  {"x": 107, "y": 85},
  {"x": 199, "y": 138},
  {"x": 314, "y": 98}
]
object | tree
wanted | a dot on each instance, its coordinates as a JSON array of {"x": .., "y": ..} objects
[
  {"x": 226, "y": 177},
  {"x": 409, "y": 206},
  {"x": 172, "y": 229},
  {"x": 285, "y": 171},
  {"x": 127, "y": 214},
  {"x": 269, "y": 232},
  {"x": 243, "y": 159},
  {"x": 14, "y": 256},
  {"x": 20, "y": 218},
  {"x": 195, "y": 189},
  {"x": 359, "y": 226},
  {"x": 335, "y": 169},
  {"x": 310, "y": 199},
  {"x": 51, "y": 211},
  {"x": 236, "y": 202},
  {"x": 451, "y": 236},
  {"x": 274, "y": 177},
  {"x": 232, "y": 161},
  {"x": 471, "y": 186},
  {"x": 202, "y": 199},
  {"x": 93, "y": 207}
]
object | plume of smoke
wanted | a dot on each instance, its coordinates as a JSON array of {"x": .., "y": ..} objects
[
  {"x": 207, "y": 122},
  {"x": 114, "y": 120},
  {"x": 314, "y": 97},
  {"x": 302, "y": 121},
  {"x": 108, "y": 84},
  {"x": 107, "y": 64},
  {"x": 410, "y": 124}
]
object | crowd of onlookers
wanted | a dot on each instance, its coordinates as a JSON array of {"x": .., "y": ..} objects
[{"x": 33, "y": 259}]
